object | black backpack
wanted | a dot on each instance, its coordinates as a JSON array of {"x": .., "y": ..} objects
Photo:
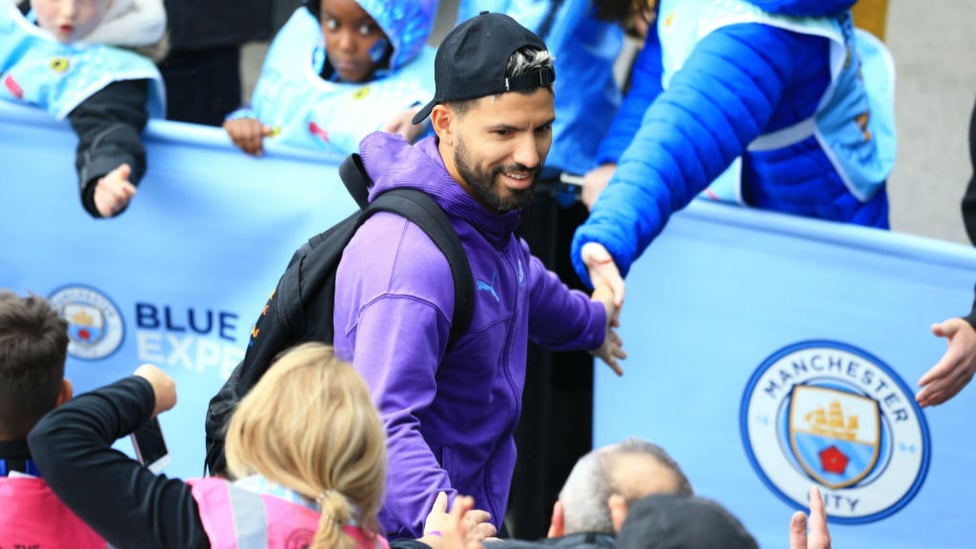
[{"x": 301, "y": 307}]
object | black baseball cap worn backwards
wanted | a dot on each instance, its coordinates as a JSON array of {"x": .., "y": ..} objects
[{"x": 471, "y": 61}]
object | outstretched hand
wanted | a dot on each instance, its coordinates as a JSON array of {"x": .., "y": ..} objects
[
  {"x": 114, "y": 191},
  {"x": 818, "y": 536},
  {"x": 611, "y": 351},
  {"x": 956, "y": 367},
  {"x": 402, "y": 123},
  {"x": 454, "y": 530},
  {"x": 599, "y": 263}
]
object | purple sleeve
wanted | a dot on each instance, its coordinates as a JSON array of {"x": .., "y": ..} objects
[
  {"x": 393, "y": 326},
  {"x": 399, "y": 361},
  {"x": 582, "y": 321}
]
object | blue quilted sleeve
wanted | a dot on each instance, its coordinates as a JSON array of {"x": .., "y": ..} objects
[
  {"x": 719, "y": 101},
  {"x": 804, "y": 8},
  {"x": 645, "y": 85}
]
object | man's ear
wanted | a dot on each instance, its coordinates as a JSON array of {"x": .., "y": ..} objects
[
  {"x": 557, "y": 525},
  {"x": 64, "y": 395},
  {"x": 618, "y": 511},
  {"x": 442, "y": 120}
]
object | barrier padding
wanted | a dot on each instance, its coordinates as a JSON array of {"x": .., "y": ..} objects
[
  {"x": 767, "y": 352},
  {"x": 770, "y": 352}
]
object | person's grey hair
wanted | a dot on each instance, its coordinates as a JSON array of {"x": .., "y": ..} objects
[
  {"x": 636, "y": 446},
  {"x": 584, "y": 496},
  {"x": 522, "y": 61},
  {"x": 592, "y": 481}
]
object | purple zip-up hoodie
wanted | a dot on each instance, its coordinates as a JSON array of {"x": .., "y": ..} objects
[{"x": 449, "y": 413}]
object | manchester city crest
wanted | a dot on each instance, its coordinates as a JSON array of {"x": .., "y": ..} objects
[
  {"x": 95, "y": 326},
  {"x": 829, "y": 413}
]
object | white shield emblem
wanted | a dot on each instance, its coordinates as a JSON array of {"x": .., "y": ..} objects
[{"x": 835, "y": 435}]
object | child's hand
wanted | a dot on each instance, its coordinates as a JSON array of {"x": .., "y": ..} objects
[
  {"x": 819, "y": 535},
  {"x": 457, "y": 529},
  {"x": 113, "y": 191},
  {"x": 247, "y": 133},
  {"x": 402, "y": 123}
]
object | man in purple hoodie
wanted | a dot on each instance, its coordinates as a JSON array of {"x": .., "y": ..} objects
[{"x": 450, "y": 411}]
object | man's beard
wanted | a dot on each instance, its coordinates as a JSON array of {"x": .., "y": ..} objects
[{"x": 484, "y": 183}]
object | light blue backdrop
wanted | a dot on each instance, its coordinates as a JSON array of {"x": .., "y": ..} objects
[
  {"x": 186, "y": 268},
  {"x": 720, "y": 307},
  {"x": 725, "y": 292}
]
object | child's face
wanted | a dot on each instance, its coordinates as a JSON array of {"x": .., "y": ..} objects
[
  {"x": 351, "y": 35},
  {"x": 69, "y": 20}
]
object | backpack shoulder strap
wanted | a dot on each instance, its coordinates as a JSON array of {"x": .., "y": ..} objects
[
  {"x": 421, "y": 209},
  {"x": 354, "y": 177}
]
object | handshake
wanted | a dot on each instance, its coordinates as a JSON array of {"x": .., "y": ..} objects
[{"x": 609, "y": 290}]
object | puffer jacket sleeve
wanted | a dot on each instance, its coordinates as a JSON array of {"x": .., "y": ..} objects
[
  {"x": 807, "y": 8},
  {"x": 720, "y": 101},
  {"x": 645, "y": 86}
]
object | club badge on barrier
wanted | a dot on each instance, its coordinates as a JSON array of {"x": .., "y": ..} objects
[
  {"x": 829, "y": 413},
  {"x": 95, "y": 326}
]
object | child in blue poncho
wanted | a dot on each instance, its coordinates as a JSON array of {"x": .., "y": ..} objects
[
  {"x": 64, "y": 56},
  {"x": 338, "y": 70}
]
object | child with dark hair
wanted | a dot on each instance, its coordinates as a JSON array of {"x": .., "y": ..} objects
[
  {"x": 337, "y": 71},
  {"x": 33, "y": 347}
]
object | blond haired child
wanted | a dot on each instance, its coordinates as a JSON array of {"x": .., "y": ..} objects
[{"x": 306, "y": 446}]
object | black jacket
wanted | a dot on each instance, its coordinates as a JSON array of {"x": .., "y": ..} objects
[
  {"x": 202, "y": 24},
  {"x": 585, "y": 540},
  {"x": 108, "y": 125},
  {"x": 969, "y": 199},
  {"x": 972, "y": 316},
  {"x": 72, "y": 446}
]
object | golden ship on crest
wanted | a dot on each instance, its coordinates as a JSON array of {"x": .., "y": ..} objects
[{"x": 831, "y": 423}]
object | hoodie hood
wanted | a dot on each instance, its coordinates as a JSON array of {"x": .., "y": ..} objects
[
  {"x": 804, "y": 8},
  {"x": 391, "y": 162},
  {"x": 406, "y": 24},
  {"x": 130, "y": 23}
]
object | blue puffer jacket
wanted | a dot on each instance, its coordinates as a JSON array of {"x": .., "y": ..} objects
[{"x": 739, "y": 82}]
